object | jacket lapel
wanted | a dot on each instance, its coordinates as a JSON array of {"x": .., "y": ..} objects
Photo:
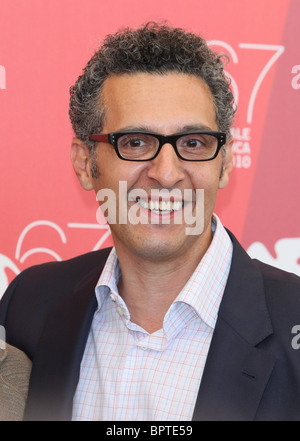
[
  {"x": 57, "y": 361},
  {"x": 237, "y": 370}
]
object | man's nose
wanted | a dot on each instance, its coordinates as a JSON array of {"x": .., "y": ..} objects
[{"x": 166, "y": 168}]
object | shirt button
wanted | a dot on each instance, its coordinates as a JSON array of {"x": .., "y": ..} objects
[
  {"x": 113, "y": 297},
  {"x": 143, "y": 348},
  {"x": 120, "y": 310}
]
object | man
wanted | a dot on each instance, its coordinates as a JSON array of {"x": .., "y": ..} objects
[{"x": 176, "y": 322}]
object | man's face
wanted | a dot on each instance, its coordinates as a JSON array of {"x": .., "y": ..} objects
[{"x": 163, "y": 104}]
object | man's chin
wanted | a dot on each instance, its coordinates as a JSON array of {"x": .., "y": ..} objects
[{"x": 155, "y": 243}]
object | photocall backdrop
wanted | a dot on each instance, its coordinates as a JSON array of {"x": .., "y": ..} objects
[{"x": 44, "y": 44}]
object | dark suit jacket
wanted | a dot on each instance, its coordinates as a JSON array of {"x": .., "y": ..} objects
[{"x": 252, "y": 370}]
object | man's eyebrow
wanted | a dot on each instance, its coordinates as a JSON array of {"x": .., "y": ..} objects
[
  {"x": 136, "y": 129},
  {"x": 194, "y": 127},
  {"x": 180, "y": 129}
]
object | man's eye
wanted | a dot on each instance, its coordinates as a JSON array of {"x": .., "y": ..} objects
[
  {"x": 193, "y": 143},
  {"x": 135, "y": 142},
  {"x": 130, "y": 142}
]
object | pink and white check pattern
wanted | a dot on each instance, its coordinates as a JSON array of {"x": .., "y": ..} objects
[{"x": 130, "y": 375}]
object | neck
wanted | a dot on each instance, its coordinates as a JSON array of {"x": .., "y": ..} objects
[{"x": 149, "y": 287}]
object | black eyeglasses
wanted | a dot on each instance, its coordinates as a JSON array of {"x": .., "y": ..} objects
[{"x": 144, "y": 146}]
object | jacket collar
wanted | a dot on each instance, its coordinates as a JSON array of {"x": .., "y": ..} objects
[
  {"x": 244, "y": 305},
  {"x": 236, "y": 371}
]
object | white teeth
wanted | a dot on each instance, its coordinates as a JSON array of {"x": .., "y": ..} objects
[{"x": 160, "y": 205}]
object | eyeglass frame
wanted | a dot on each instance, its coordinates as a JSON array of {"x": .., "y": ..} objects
[{"x": 113, "y": 137}]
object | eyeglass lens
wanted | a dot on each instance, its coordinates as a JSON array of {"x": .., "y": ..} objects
[{"x": 195, "y": 146}]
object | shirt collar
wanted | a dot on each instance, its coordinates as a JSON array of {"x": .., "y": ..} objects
[
  {"x": 203, "y": 291},
  {"x": 205, "y": 288},
  {"x": 109, "y": 278}
]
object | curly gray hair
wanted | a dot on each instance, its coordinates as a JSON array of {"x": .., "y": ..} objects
[{"x": 151, "y": 48}]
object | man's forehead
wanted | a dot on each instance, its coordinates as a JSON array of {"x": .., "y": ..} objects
[
  {"x": 151, "y": 78},
  {"x": 146, "y": 101}
]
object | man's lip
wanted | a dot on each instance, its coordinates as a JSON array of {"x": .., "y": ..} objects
[
  {"x": 165, "y": 200},
  {"x": 181, "y": 196},
  {"x": 159, "y": 199},
  {"x": 162, "y": 206},
  {"x": 135, "y": 198}
]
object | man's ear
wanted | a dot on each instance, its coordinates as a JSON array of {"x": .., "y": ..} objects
[
  {"x": 80, "y": 157},
  {"x": 227, "y": 165}
]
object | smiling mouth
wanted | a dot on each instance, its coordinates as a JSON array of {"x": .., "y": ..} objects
[{"x": 160, "y": 207}]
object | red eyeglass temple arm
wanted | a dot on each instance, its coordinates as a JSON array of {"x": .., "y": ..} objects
[{"x": 99, "y": 138}]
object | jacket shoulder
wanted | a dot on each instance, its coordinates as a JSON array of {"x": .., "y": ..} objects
[
  {"x": 272, "y": 273},
  {"x": 279, "y": 281},
  {"x": 66, "y": 272},
  {"x": 278, "y": 291},
  {"x": 75, "y": 267},
  {"x": 30, "y": 297},
  {"x": 282, "y": 293}
]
